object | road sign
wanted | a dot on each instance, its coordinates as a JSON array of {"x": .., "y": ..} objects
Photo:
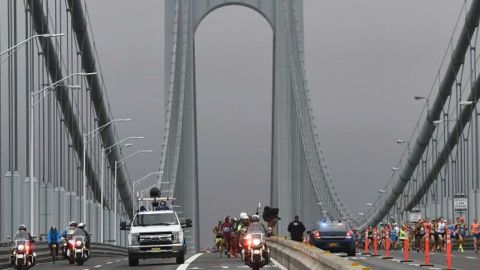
[
  {"x": 460, "y": 202},
  {"x": 414, "y": 216}
]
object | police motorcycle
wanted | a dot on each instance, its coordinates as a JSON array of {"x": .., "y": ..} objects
[
  {"x": 77, "y": 251},
  {"x": 22, "y": 256},
  {"x": 67, "y": 242},
  {"x": 255, "y": 253}
]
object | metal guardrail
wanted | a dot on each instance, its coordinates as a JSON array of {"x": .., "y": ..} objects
[
  {"x": 297, "y": 255},
  {"x": 43, "y": 252}
]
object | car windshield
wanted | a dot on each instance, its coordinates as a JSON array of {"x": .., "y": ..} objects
[
  {"x": 155, "y": 219},
  {"x": 331, "y": 227}
]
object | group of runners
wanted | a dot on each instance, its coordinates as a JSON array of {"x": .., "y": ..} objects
[
  {"x": 229, "y": 232},
  {"x": 416, "y": 234}
]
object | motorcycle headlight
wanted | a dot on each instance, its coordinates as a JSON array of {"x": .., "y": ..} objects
[
  {"x": 21, "y": 247},
  {"x": 256, "y": 242},
  {"x": 133, "y": 239},
  {"x": 78, "y": 243}
]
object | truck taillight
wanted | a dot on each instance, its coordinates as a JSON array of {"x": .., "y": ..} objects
[
  {"x": 349, "y": 235},
  {"x": 316, "y": 235}
]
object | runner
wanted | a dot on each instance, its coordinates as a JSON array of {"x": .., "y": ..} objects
[
  {"x": 475, "y": 233},
  {"x": 461, "y": 230},
  {"x": 441, "y": 230}
]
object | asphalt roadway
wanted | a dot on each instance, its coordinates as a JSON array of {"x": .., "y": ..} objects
[
  {"x": 198, "y": 261},
  {"x": 467, "y": 260}
]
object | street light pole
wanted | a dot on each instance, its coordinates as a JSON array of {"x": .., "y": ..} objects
[
  {"x": 85, "y": 141},
  {"x": 102, "y": 188},
  {"x": 26, "y": 41},
  {"x": 115, "y": 190},
  {"x": 31, "y": 135}
]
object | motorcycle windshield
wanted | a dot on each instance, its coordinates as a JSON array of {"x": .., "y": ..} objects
[
  {"x": 256, "y": 229},
  {"x": 78, "y": 233},
  {"x": 21, "y": 236}
]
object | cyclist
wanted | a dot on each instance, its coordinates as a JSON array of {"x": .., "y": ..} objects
[{"x": 53, "y": 238}]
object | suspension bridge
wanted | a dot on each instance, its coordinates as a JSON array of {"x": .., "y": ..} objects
[{"x": 62, "y": 159}]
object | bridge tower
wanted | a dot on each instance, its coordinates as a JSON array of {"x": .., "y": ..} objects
[{"x": 293, "y": 188}]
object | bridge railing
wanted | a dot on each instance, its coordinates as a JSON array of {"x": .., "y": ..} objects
[{"x": 297, "y": 255}]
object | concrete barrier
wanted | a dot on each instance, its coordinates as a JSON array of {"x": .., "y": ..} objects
[{"x": 299, "y": 256}]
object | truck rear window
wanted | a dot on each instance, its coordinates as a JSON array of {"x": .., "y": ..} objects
[{"x": 155, "y": 219}]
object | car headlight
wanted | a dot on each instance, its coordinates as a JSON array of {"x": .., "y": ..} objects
[
  {"x": 21, "y": 247},
  {"x": 78, "y": 243},
  {"x": 256, "y": 242},
  {"x": 133, "y": 239},
  {"x": 177, "y": 237}
]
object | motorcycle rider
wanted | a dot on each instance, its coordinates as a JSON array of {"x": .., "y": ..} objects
[
  {"x": 255, "y": 227},
  {"x": 24, "y": 234},
  {"x": 81, "y": 226},
  {"x": 241, "y": 229},
  {"x": 72, "y": 226},
  {"x": 53, "y": 237},
  {"x": 67, "y": 235}
]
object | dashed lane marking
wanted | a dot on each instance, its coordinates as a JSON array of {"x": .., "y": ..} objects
[{"x": 277, "y": 264}]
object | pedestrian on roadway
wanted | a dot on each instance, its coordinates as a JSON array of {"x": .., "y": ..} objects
[{"x": 296, "y": 229}]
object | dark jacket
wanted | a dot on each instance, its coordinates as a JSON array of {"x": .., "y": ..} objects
[{"x": 296, "y": 230}]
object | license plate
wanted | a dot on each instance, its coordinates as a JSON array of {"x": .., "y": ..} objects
[
  {"x": 54, "y": 246},
  {"x": 333, "y": 244},
  {"x": 256, "y": 251},
  {"x": 20, "y": 256},
  {"x": 78, "y": 251},
  {"x": 156, "y": 249}
]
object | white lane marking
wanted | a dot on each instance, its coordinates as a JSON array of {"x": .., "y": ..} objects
[
  {"x": 109, "y": 263},
  {"x": 189, "y": 261},
  {"x": 97, "y": 266},
  {"x": 224, "y": 267},
  {"x": 277, "y": 264},
  {"x": 434, "y": 268},
  {"x": 473, "y": 258}
]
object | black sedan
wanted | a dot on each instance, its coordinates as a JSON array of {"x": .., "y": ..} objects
[{"x": 334, "y": 237}]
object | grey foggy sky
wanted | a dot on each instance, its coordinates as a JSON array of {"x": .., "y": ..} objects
[{"x": 365, "y": 61}]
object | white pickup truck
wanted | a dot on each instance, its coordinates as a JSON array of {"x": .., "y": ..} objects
[{"x": 157, "y": 234}]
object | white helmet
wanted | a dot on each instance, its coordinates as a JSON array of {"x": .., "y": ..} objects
[
  {"x": 255, "y": 218},
  {"x": 243, "y": 215}
]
